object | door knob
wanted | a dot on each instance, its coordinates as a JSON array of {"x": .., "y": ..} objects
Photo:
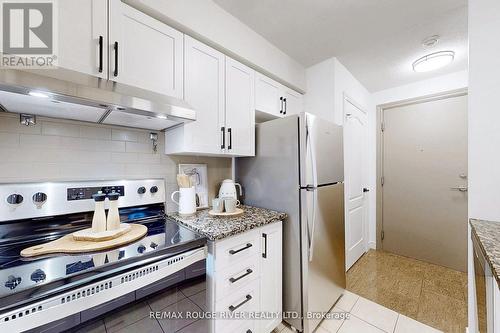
[{"x": 460, "y": 188}]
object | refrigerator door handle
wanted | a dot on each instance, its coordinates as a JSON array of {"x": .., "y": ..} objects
[
  {"x": 312, "y": 225},
  {"x": 312, "y": 152}
]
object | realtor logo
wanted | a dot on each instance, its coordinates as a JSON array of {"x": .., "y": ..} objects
[{"x": 28, "y": 33}]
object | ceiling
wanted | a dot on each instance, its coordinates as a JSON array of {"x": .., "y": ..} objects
[{"x": 376, "y": 40}]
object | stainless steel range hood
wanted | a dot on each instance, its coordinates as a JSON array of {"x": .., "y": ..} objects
[{"x": 66, "y": 94}]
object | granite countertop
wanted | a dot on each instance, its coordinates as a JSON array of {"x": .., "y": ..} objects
[
  {"x": 215, "y": 227},
  {"x": 488, "y": 234}
]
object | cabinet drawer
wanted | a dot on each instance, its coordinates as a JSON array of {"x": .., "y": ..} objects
[
  {"x": 233, "y": 250},
  {"x": 249, "y": 326},
  {"x": 233, "y": 278},
  {"x": 239, "y": 304}
]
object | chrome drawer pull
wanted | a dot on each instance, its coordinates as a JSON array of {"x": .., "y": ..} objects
[
  {"x": 249, "y": 245},
  {"x": 233, "y": 280},
  {"x": 232, "y": 307}
]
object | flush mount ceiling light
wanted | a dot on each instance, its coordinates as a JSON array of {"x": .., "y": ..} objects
[{"x": 433, "y": 61}]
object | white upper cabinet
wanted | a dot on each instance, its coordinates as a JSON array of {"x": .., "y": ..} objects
[
  {"x": 240, "y": 109},
  {"x": 144, "y": 52},
  {"x": 267, "y": 96},
  {"x": 204, "y": 91},
  {"x": 83, "y": 36},
  {"x": 274, "y": 100},
  {"x": 292, "y": 102},
  {"x": 221, "y": 91}
]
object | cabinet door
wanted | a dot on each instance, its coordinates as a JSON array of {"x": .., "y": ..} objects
[
  {"x": 240, "y": 109},
  {"x": 204, "y": 91},
  {"x": 83, "y": 35},
  {"x": 144, "y": 52},
  {"x": 267, "y": 96},
  {"x": 293, "y": 103},
  {"x": 271, "y": 275}
]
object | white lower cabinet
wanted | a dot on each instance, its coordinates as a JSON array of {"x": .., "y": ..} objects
[{"x": 245, "y": 280}]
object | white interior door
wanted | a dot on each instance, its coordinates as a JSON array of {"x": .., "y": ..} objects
[{"x": 355, "y": 168}]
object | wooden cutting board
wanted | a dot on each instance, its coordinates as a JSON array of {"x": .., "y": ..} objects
[
  {"x": 237, "y": 212},
  {"x": 67, "y": 244}
]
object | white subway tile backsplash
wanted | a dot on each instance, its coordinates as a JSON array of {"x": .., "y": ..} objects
[
  {"x": 138, "y": 147},
  {"x": 149, "y": 158},
  {"x": 124, "y": 158},
  {"x": 10, "y": 123},
  {"x": 9, "y": 139},
  {"x": 92, "y": 132},
  {"x": 61, "y": 129},
  {"x": 92, "y": 144},
  {"x": 28, "y": 140},
  {"x": 124, "y": 135},
  {"x": 58, "y": 150}
]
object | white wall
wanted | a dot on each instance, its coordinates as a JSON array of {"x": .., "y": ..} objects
[
  {"x": 484, "y": 119},
  {"x": 320, "y": 96},
  {"x": 436, "y": 85},
  {"x": 206, "y": 21},
  {"x": 327, "y": 84}
]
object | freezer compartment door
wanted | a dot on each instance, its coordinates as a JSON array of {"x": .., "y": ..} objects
[
  {"x": 321, "y": 151},
  {"x": 324, "y": 249}
]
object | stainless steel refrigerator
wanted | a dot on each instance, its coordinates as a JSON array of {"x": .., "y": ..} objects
[{"x": 299, "y": 169}]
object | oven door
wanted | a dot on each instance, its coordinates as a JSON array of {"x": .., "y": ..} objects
[{"x": 61, "y": 312}]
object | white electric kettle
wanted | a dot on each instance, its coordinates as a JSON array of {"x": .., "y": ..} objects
[{"x": 228, "y": 189}]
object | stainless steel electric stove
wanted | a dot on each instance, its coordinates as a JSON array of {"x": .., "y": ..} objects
[{"x": 36, "y": 292}]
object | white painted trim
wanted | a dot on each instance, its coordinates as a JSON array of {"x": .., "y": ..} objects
[{"x": 372, "y": 245}]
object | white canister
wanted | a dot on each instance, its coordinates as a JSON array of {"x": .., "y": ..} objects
[
  {"x": 187, "y": 200},
  {"x": 113, "y": 220},
  {"x": 99, "y": 219}
]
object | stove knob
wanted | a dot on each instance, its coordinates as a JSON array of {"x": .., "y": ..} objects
[
  {"x": 141, "y": 190},
  {"x": 153, "y": 245},
  {"x": 141, "y": 248},
  {"x": 12, "y": 282},
  {"x": 38, "y": 276},
  {"x": 15, "y": 199},
  {"x": 39, "y": 197},
  {"x": 153, "y": 189}
]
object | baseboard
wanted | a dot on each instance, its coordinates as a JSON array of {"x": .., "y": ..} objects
[{"x": 372, "y": 245}]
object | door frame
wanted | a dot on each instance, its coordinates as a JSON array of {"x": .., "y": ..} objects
[
  {"x": 348, "y": 99},
  {"x": 380, "y": 148}
]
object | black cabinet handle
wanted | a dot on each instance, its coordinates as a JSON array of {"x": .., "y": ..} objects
[
  {"x": 233, "y": 307},
  {"x": 281, "y": 104},
  {"x": 223, "y": 130},
  {"x": 230, "y": 145},
  {"x": 249, "y": 245},
  {"x": 366, "y": 190},
  {"x": 249, "y": 331},
  {"x": 264, "y": 255},
  {"x": 116, "y": 59},
  {"x": 284, "y": 109},
  {"x": 233, "y": 280},
  {"x": 101, "y": 57}
]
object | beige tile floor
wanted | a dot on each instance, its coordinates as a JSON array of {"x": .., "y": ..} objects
[
  {"x": 365, "y": 316},
  {"x": 431, "y": 294}
]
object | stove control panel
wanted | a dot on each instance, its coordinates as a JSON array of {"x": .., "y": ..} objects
[
  {"x": 15, "y": 199},
  {"x": 12, "y": 282},
  {"x": 85, "y": 193},
  {"x": 38, "y": 276},
  {"x": 37, "y": 200}
]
